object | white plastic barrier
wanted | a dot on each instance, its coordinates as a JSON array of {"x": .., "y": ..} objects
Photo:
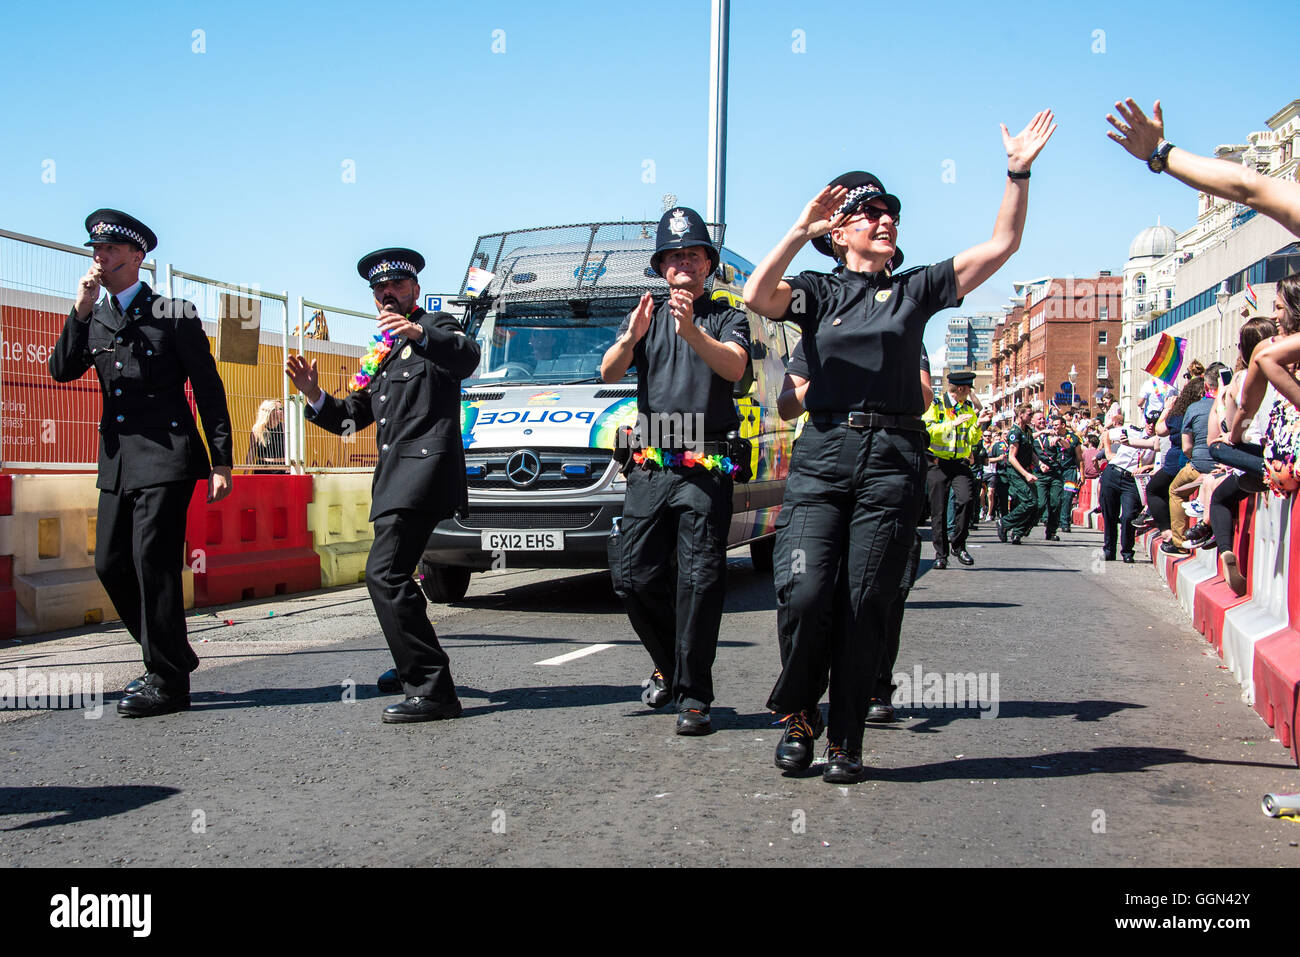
[
  {"x": 1266, "y": 612},
  {"x": 1201, "y": 567}
]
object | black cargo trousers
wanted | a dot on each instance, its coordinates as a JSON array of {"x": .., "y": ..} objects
[
  {"x": 675, "y": 519},
  {"x": 852, "y": 502}
]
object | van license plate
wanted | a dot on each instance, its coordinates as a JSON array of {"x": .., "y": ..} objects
[{"x": 495, "y": 539}]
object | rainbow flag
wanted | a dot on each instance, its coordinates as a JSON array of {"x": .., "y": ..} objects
[
  {"x": 1250, "y": 297},
  {"x": 1164, "y": 365}
]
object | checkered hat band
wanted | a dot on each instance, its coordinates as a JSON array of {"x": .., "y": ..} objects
[
  {"x": 856, "y": 194},
  {"x": 104, "y": 229},
  {"x": 388, "y": 266}
]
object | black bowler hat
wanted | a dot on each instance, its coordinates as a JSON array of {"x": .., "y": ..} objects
[
  {"x": 115, "y": 226},
  {"x": 863, "y": 188},
  {"x": 961, "y": 378},
  {"x": 681, "y": 228},
  {"x": 391, "y": 263}
]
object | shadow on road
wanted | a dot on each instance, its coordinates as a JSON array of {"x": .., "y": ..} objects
[
  {"x": 1056, "y": 764},
  {"x": 77, "y": 804},
  {"x": 934, "y": 718}
]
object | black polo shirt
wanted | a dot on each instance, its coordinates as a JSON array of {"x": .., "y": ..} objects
[
  {"x": 672, "y": 378},
  {"x": 1026, "y": 451},
  {"x": 861, "y": 335}
]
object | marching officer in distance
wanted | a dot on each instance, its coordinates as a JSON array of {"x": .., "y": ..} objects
[
  {"x": 1058, "y": 451},
  {"x": 409, "y": 388},
  {"x": 1022, "y": 455},
  {"x": 688, "y": 351},
  {"x": 955, "y": 428},
  {"x": 144, "y": 348}
]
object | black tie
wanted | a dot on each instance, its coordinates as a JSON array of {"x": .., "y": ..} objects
[{"x": 117, "y": 306}]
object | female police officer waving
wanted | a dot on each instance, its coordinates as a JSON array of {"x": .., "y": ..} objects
[{"x": 857, "y": 478}]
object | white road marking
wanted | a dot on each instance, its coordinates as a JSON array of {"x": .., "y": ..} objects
[{"x": 573, "y": 655}]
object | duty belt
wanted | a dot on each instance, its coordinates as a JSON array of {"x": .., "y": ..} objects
[{"x": 870, "y": 420}]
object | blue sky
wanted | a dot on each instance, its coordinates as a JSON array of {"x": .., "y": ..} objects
[{"x": 235, "y": 155}]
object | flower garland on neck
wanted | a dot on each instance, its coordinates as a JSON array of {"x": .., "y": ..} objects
[
  {"x": 687, "y": 459},
  {"x": 379, "y": 349}
]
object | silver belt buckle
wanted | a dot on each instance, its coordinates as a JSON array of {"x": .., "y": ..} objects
[{"x": 858, "y": 420}]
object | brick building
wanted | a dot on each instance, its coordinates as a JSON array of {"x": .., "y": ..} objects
[{"x": 1051, "y": 325}]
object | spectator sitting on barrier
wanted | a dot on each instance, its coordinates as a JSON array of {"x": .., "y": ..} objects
[
  {"x": 1245, "y": 458},
  {"x": 1273, "y": 362},
  {"x": 1169, "y": 424},
  {"x": 266, "y": 438},
  {"x": 1195, "y": 434}
]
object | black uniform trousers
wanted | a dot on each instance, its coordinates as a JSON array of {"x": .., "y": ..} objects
[
  {"x": 1120, "y": 504},
  {"x": 945, "y": 475},
  {"x": 885, "y": 674},
  {"x": 852, "y": 501},
  {"x": 682, "y": 514},
  {"x": 139, "y": 557},
  {"x": 400, "y": 605}
]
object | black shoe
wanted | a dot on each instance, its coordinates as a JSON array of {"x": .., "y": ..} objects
[
  {"x": 940, "y": 561},
  {"x": 655, "y": 692},
  {"x": 842, "y": 766},
  {"x": 963, "y": 556},
  {"x": 149, "y": 702},
  {"x": 389, "y": 683},
  {"x": 1002, "y": 529},
  {"x": 794, "y": 750},
  {"x": 1015, "y": 539},
  {"x": 1199, "y": 534},
  {"x": 880, "y": 712},
  {"x": 421, "y": 709},
  {"x": 136, "y": 686},
  {"x": 1052, "y": 538},
  {"x": 1067, "y": 529},
  {"x": 1109, "y": 558},
  {"x": 693, "y": 721},
  {"x": 1128, "y": 559},
  {"x": 1140, "y": 528},
  {"x": 1169, "y": 548},
  {"x": 1207, "y": 542}
]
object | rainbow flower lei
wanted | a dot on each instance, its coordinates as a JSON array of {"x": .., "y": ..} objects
[
  {"x": 687, "y": 459},
  {"x": 379, "y": 349}
]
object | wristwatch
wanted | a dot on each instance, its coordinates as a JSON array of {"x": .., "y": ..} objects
[{"x": 1159, "y": 158}]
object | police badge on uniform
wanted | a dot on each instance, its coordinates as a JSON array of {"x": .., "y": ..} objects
[
  {"x": 677, "y": 225},
  {"x": 883, "y": 295},
  {"x": 406, "y": 353}
]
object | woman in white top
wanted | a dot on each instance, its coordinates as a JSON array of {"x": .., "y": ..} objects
[{"x": 1126, "y": 447}]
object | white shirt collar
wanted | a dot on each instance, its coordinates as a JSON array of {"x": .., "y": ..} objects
[{"x": 127, "y": 296}]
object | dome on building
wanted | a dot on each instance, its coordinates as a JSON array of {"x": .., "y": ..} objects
[{"x": 1153, "y": 242}]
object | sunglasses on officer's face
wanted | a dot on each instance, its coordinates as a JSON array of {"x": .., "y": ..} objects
[{"x": 873, "y": 214}]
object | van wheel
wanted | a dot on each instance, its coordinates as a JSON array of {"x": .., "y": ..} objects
[
  {"x": 760, "y": 553},
  {"x": 442, "y": 583}
]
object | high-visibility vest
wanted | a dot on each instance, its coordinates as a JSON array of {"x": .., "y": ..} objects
[{"x": 954, "y": 429}]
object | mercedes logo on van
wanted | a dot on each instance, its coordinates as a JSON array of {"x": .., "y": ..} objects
[{"x": 523, "y": 468}]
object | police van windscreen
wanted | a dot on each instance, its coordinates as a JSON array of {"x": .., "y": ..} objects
[{"x": 551, "y": 342}]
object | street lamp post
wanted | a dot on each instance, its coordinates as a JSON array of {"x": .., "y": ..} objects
[{"x": 1074, "y": 377}]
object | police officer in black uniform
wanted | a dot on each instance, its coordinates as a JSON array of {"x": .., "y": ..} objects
[
  {"x": 688, "y": 350},
  {"x": 144, "y": 348},
  {"x": 854, "y": 491},
  {"x": 413, "y": 398}
]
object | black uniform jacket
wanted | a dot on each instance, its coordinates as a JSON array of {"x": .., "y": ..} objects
[
  {"x": 147, "y": 432},
  {"x": 414, "y": 402}
]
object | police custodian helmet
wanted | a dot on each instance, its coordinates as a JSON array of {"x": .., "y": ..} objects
[
  {"x": 863, "y": 188},
  {"x": 681, "y": 228}
]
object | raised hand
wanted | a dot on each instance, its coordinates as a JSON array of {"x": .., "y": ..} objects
[
  {"x": 817, "y": 217},
  {"x": 88, "y": 290},
  {"x": 645, "y": 310},
  {"x": 1024, "y": 148},
  {"x": 682, "y": 307},
  {"x": 1136, "y": 132},
  {"x": 303, "y": 376}
]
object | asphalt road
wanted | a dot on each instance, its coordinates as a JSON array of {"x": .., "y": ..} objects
[{"x": 1118, "y": 739}]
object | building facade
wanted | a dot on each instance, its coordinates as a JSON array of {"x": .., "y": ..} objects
[{"x": 1057, "y": 330}]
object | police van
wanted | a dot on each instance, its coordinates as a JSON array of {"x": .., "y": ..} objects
[{"x": 538, "y": 424}]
